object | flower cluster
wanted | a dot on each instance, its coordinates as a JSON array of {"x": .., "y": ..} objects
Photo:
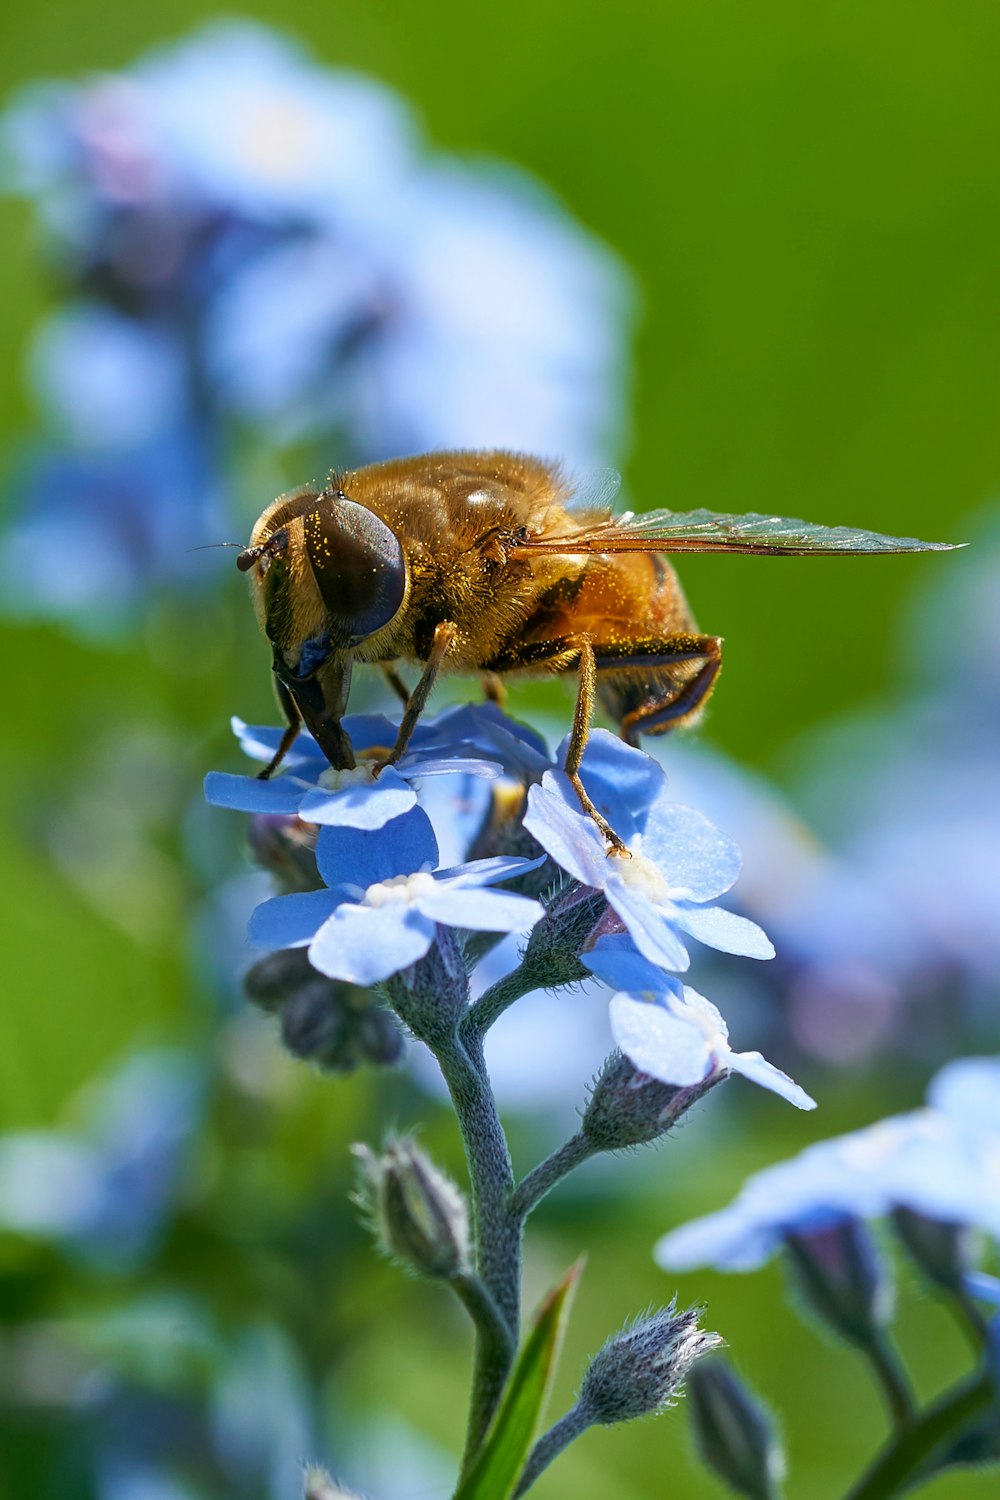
[
  {"x": 941, "y": 1162},
  {"x": 248, "y": 239},
  {"x": 381, "y": 895}
]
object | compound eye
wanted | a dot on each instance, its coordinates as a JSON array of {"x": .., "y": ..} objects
[{"x": 358, "y": 564}]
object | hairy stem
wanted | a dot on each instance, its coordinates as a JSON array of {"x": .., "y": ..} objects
[
  {"x": 497, "y": 1234},
  {"x": 532, "y": 1189},
  {"x": 904, "y": 1458},
  {"x": 491, "y": 1329},
  {"x": 891, "y": 1376},
  {"x": 550, "y": 1445},
  {"x": 493, "y": 1002}
]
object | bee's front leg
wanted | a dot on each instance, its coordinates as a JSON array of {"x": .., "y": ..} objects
[
  {"x": 444, "y": 639},
  {"x": 293, "y": 722}
]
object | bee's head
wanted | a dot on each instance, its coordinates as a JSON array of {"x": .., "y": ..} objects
[{"x": 324, "y": 566}]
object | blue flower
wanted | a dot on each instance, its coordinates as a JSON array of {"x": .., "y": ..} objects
[
  {"x": 942, "y": 1161},
  {"x": 311, "y": 789},
  {"x": 672, "y": 1033},
  {"x": 106, "y": 1191},
  {"x": 679, "y": 862},
  {"x": 385, "y": 899}
]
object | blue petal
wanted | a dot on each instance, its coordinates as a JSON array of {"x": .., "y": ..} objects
[
  {"x": 757, "y": 1068},
  {"x": 355, "y": 858},
  {"x": 648, "y": 928},
  {"x": 370, "y": 731},
  {"x": 727, "y": 1239},
  {"x": 621, "y": 780},
  {"x": 365, "y": 944},
  {"x": 699, "y": 862},
  {"x": 421, "y": 764},
  {"x": 661, "y": 1040},
  {"x": 250, "y": 794},
  {"x": 480, "y": 910},
  {"x": 261, "y": 743},
  {"x": 363, "y": 805},
  {"x": 723, "y": 930},
  {"x": 614, "y": 960},
  {"x": 569, "y": 836},
  {"x": 490, "y": 871},
  {"x": 290, "y": 921}
]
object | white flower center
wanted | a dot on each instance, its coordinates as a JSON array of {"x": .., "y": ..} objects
[
  {"x": 400, "y": 890},
  {"x": 644, "y": 876},
  {"x": 337, "y": 781}
]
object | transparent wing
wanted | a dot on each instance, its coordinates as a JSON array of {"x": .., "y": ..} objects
[
  {"x": 704, "y": 531},
  {"x": 594, "y": 490}
]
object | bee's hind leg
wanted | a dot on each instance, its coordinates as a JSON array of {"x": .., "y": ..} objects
[{"x": 680, "y": 705}]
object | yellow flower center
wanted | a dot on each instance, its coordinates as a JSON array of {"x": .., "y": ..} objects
[{"x": 399, "y": 890}]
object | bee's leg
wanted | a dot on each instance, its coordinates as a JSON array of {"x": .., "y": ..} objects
[
  {"x": 396, "y": 682},
  {"x": 494, "y": 689},
  {"x": 582, "y": 715},
  {"x": 678, "y": 704},
  {"x": 293, "y": 721},
  {"x": 444, "y": 637}
]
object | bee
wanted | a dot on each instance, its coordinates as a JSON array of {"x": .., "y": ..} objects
[{"x": 488, "y": 562}]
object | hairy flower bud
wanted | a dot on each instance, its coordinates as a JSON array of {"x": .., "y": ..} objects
[
  {"x": 734, "y": 1431},
  {"x": 942, "y": 1251},
  {"x": 628, "y": 1108},
  {"x": 640, "y": 1369},
  {"x": 337, "y": 1025},
  {"x": 319, "y": 1486},
  {"x": 432, "y": 995},
  {"x": 843, "y": 1278},
  {"x": 286, "y": 847},
  {"x": 417, "y": 1214},
  {"x": 552, "y": 955}
]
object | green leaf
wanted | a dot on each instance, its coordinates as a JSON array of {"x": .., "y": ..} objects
[{"x": 498, "y": 1467}]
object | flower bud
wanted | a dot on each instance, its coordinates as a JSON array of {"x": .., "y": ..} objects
[
  {"x": 552, "y": 955},
  {"x": 942, "y": 1251},
  {"x": 843, "y": 1278},
  {"x": 319, "y": 1486},
  {"x": 286, "y": 847},
  {"x": 628, "y": 1108},
  {"x": 639, "y": 1370},
  {"x": 337, "y": 1025},
  {"x": 734, "y": 1432},
  {"x": 418, "y": 1215},
  {"x": 432, "y": 995}
]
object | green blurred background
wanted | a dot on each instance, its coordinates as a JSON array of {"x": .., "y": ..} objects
[{"x": 809, "y": 197}]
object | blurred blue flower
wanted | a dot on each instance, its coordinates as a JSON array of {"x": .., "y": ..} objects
[
  {"x": 315, "y": 792},
  {"x": 942, "y": 1161},
  {"x": 106, "y": 1192},
  {"x": 247, "y": 235},
  {"x": 679, "y": 862},
  {"x": 385, "y": 899},
  {"x": 672, "y": 1033}
]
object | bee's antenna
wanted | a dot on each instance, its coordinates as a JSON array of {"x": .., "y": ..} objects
[{"x": 207, "y": 546}]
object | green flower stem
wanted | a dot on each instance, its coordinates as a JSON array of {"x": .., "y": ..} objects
[
  {"x": 496, "y": 1233},
  {"x": 493, "y": 1002},
  {"x": 532, "y": 1189},
  {"x": 550, "y": 1445},
  {"x": 491, "y": 1329},
  {"x": 891, "y": 1376},
  {"x": 906, "y": 1456}
]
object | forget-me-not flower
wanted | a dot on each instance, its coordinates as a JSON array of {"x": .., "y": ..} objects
[
  {"x": 679, "y": 863},
  {"x": 311, "y": 789},
  {"x": 672, "y": 1033},
  {"x": 385, "y": 898},
  {"x": 942, "y": 1161}
]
